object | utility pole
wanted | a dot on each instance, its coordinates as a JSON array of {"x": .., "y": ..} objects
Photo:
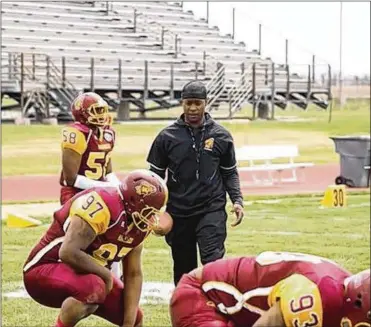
[{"x": 341, "y": 58}]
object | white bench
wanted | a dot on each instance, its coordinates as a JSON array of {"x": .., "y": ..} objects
[{"x": 265, "y": 154}]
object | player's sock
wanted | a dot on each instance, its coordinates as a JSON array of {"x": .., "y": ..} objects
[{"x": 60, "y": 323}]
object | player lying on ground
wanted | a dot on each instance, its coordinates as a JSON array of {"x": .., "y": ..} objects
[
  {"x": 69, "y": 266},
  {"x": 87, "y": 145},
  {"x": 272, "y": 289}
]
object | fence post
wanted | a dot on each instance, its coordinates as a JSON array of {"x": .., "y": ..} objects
[
  {"x": 119, "y": 89},
  {"x": 313, "y": 68},
  {"x": 176, "y": 46},
  {"x": 22, "y": 82},
  {"x": 233, "y": 23},
  {"x": 196, "y": 70},
  {"x": 207, "y": 11},
  {"x": 145, "y": 93},
  {"x": 288, "y": 83},
  {"x": 309, "y": 88},
  {"x": 329, "y": 82},
  {"x": 260, "y": 39},
  {"x": 63, "y": 71},
  {"x": 33, "y": 66},
  {"x": 172, "y": 80},
  {"x": 254, "y": 90},
  {"x": 273, "y": 89},
  {"x": 179, "y": 44},
  {"x": 135, "y": 21},
  {"x": 162, "y": 37},
  {"x": 47, "y": 86},
  {"x": 230, "y": 99},
  {"x": 10, "y": 65},
  {"x": 242, "y": 68},
  {"x": 92, "y": 71},
  {"x": 204, "y": 62},
  {"x": 287, "y": 52},
  {"x": 329, "y": 95},
  {"x": 266, "y": 75},
  {"x": 243, "y": 73}
]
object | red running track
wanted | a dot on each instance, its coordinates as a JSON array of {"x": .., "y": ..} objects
[{"x": 46, "y": 187}]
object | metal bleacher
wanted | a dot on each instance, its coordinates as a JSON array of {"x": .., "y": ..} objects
[{"x": 134, "y": 52}]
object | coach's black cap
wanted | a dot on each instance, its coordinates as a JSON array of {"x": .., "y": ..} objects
[{"x": 194, "y": 90}]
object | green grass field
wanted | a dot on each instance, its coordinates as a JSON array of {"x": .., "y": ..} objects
[
  {"x": 37, "y": 144},
  {"x": 278, "y": 224},
  {"x": 281, "y": 224}
]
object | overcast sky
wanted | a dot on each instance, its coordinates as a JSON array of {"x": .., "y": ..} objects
[{"x": 311, "y": 27}]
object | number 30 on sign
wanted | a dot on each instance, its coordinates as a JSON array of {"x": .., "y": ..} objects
[{"x": 335, "y": 197}]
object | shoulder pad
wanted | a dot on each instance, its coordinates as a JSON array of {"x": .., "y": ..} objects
[
  {"x": 74, "y": 139},
  {"x": 92, "y": 208}
]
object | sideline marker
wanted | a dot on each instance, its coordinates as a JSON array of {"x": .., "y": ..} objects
[
  {"x": 16, "y": 220},
  {"x": 335, "y": 197}
]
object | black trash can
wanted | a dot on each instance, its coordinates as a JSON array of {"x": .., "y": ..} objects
[{"x": 354, "y": 154}]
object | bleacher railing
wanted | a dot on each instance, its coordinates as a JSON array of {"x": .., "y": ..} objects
[
  {"x": 32, "y": 70},
  {"x": 36, "y": 71},
  {"x": 241, "y": 90},
  {"x": 216, "y": 86}
]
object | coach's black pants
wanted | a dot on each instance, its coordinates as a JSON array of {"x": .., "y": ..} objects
[{"x": 208, "y": 231}]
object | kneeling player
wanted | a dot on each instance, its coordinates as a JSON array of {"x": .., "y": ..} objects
[
  {"x": 69, "y": 267},
  {"x": 273, "y": 289}
]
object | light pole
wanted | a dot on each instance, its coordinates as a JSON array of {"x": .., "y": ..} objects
[
  {"x": 207, "y": 12},
  {"x": 341, "y": 57}
]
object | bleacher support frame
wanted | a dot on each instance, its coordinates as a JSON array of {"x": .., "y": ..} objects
[
  {"x": 141, "y": 61},
  {"x": 255, "y": 80}
]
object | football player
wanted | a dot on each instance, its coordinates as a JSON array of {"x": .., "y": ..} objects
[
  {"x": 69, "y": 267},
  {"x": 86, "y": 149},
  {"x": 87, "y": 146},
  {"x": 272, "y": 289}
]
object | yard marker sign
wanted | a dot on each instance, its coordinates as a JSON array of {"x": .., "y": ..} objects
[{"x": 335, "y": 197}]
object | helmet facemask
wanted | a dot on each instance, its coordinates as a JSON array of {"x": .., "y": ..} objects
[
  {"x": 98, "y": 114},
  {"x": 146, "y": 219}
]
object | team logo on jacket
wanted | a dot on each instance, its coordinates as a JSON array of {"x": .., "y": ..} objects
[
  {"x": 209, "y": 143},
  {"x": 145, "y": 189}
]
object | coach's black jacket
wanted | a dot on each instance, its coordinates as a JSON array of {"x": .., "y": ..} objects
[{"x": 201, "y": 167}]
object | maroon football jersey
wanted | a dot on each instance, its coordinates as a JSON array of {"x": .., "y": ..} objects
[
  {"x": 103, "y": 210},
  {"x": 310, "y": 288},
  {"x": 95, "y": 149}
]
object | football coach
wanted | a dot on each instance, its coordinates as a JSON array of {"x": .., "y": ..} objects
[{"x": 199, "y": 157}]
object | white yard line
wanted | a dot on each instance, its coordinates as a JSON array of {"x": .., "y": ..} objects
[
  {"x": 47, "y": 208},
  {"x": 30, "y": 209},
  {"x": 298, "y": 233},
  {"x": 152, "y": 293}
]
